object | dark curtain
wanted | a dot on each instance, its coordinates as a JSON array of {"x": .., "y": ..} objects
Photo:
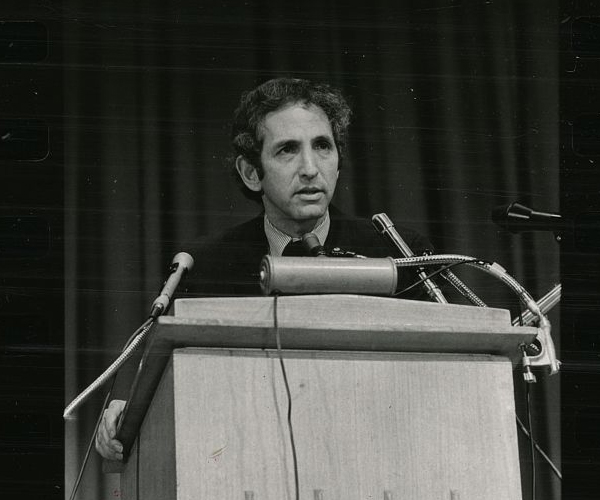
[{"x": 455, "y": 112}]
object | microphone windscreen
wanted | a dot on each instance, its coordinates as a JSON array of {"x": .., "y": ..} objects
[{"x": 184, "y": 259}]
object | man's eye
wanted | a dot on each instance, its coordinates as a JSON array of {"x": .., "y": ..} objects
[
  {"x": 288, "y": 149},
  {"x": 324, "y": 145}
]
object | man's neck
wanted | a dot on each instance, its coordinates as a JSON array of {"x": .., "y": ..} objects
[{"x": 296, "y": 229}]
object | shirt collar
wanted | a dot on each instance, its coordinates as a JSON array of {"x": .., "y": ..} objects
[{"x": 278, "y": 239}]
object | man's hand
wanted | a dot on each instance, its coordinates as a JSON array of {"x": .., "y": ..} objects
[{"x": 106, "y": 444}]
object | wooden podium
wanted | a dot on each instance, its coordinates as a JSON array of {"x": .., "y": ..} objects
[{"x": 391, "y": 399}]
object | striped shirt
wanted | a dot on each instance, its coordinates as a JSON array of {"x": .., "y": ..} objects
[{"x": 278, "y": 240}]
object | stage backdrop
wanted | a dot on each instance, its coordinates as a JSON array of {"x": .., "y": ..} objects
[{"x": 455, "y": 112}]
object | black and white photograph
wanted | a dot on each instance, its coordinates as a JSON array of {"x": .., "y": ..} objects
[{"x": 268, "y": 250}]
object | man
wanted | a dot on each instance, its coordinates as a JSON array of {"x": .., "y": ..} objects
[{"x": 289, "y": 138}]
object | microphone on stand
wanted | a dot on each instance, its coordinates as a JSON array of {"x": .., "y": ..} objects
[
  {"x": 313, "y": 246},
  {"x": 181, "y": 264},
  {"x": 516, "y": 218},
  {"x": 583, "y": 228},
  {"x": 384, "y": 226}
]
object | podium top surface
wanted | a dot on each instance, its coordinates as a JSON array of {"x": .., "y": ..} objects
[{"x": 344, "y": 322}]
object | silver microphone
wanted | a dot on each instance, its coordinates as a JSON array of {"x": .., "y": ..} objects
[
  {"x": 301, "y": 275},
  {"x": 384, "y": 226},
  {"x": 182, "y": 262}
]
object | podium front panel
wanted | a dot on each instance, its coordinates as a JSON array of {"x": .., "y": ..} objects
[{"x": 365, "y": 424}]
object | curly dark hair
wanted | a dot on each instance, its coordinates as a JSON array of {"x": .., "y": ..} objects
[{"x": 272, "y": 95}]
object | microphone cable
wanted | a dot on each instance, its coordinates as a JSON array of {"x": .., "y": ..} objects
[
  {"x": 91, "y": 443},
  {"x": 533, "y": 445},
  {"x": 531, "y": 440},
  {"x": 289, "y": 397},
  {"x": 548, "y": 460}
]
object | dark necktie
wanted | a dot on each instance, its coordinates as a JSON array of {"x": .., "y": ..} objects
[{"x": 294, "y": 249}]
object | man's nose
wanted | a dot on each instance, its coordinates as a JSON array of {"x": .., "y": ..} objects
[{"x": 308, "y": 164}]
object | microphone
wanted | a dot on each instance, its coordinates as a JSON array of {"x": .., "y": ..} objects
[
  {"x": 583, "y": 229},
  {"x": 516, "y": 218},
  {"x": 299, "y": 275},
  {"x": 182, "y": 263},
  {"x": 384, "y": 226},
  {"x": 312, "y": 245}
]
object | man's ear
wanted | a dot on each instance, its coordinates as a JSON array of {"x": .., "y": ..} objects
[{"x": 248, "y": 173}]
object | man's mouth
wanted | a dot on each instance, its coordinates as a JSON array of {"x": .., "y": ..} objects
[{"x": 309, "y": 191}]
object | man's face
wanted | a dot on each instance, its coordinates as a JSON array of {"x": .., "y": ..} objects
[{"x": 300, "y": 166}]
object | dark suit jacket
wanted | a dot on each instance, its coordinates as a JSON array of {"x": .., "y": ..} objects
[{"x": 228, "y": 263}]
